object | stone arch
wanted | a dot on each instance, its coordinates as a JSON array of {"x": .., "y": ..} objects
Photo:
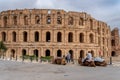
[
  {"x": 14, "y": 36},
  {"x": 3, "y": 36},
  {"x": 98, "y": 30},
  {"x": 113, "y": 42},
  {"x": 113, "y": 53},
  {"x": 93, "y": 54},
  {"x": 70, "y": 37},
  {"x": 71, "y": 53},
  {"x": 48, "y": 20},
  {"x": 91, "y": 38},
  {"x": 25, "y": 35},
  {"x": 25, "y": 20},
  {"x": 48, "y": 36},
  {"x": 47, "y": 52},
  {"x": 24, "y": 52},
  {"x": 36, "y": 36},
  {"x": 91, "y": 24},
  {"x": 81, "y": 37},
  {"x": 81, "y": 21},
  {"x": 59, "y": 20},
  {"x": 49, "y": 11},
  {"x": 59, "y": 37},
  {"x": 15, "y": 20},
  {"x": 81, "y": 54},
  {"x": 103, "y": 31},
  {"x": 12, "y": 53},
  {"x": 37, "y": 19},
  {"x": 70, "y": 20},
  {"x": 36, "y": 53},
  {"x": 59, "y": 53},
  {"x": 103, "y": 40},
  {"x": 5, "y": 21},
  {"x": 58, "y": 13}
]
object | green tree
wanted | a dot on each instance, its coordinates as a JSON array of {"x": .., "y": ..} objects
[{"x": 3, "y": 49}]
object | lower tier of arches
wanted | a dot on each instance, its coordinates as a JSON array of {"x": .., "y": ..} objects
[{"x": 17, "y": 52}]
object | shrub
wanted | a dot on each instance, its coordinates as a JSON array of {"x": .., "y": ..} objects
[{"x": 46, "y": 58}]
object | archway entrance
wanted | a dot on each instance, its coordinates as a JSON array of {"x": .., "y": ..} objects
[
  {"x": 47, "y": 53},
  {"x": 48, "y": 36},
  {"x": 59, "y": 54},
  {"x": 71, "y": 53},
  {"x": 23, "y": 52},
  {"x": 12, "y": 54},
  {"x": 81, "y": 54},
  {"x": 36, "y": 52},
  {"x": 113, "y": 53}
]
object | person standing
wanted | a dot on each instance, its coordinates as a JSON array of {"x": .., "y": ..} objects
[{"x": 68, "y": 57}]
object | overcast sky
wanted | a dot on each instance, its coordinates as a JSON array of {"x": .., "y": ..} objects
[{"x": 103, "y": 10}]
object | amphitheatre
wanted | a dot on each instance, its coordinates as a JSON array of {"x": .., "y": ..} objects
[{"x": 55, "y": 32}]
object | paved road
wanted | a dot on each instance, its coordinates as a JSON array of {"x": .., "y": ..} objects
[{"x": 12, "y": 70}]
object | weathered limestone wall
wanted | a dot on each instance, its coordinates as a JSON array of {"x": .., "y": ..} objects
[{"x": 84, "y": 32}]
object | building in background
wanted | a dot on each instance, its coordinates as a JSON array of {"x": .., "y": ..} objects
[
  {"x": 50, "y": 32},
  {"x": 115, "y": 43}
]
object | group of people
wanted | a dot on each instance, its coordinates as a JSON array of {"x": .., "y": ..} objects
[
  {"x": 89, "y": 58},
  {"x": 68, "y": 58}
]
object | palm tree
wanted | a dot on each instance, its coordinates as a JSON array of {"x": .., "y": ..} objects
[{"x": 3, "y": 49}]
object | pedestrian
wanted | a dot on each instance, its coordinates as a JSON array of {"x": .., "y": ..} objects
[{"x": 68, "y": 57}]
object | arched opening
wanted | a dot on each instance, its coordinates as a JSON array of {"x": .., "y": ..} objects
[
  {"x": 91, "y": 24},
  {"x": 81, "y": 54},
  {"x": 99, "y": 41},
  {"x": 91, "y": 37},
  {"x": 103, "y": 31},
  {"x": 48, "y": 20},
  {"x": 59, "y": 53},
  {"x": 103, "y": 40},
  {"x": 71, "y": 53},
  {"x": 70, "y": 37},
  {"x": 3, "y": 36},
  {"x": 59, "y": 37},
  {"x": 81, "y": 38},
  {"x": 23, "y": 52},
  {"x": 48, "y": 36},
  {"x": 70, "y": 21},
  {"x": 49, "y": 11},
  {"x": 14, "y": 36},
  {"x": 15, "y": 20},
  {"x": 113, "y": 42},
  {"x": 92, "y": 52},
  {"x": 98, "y": 30},
  {"x": 12, "y": 53},
  {"x": 25, "y": 20},
  {"x": 81, "y": 22},
  {"x": 47, "y": 53},
  {"x": 36, "y": 36},
  {"x": 36, "y": 52},
  {"x": 113, "y": 53},
  {"x": 37, "y": 20},
  {"x": 59, "y": 20},
  {"x": 25, "y": 36},
  {"x": 5, "y": 22}
]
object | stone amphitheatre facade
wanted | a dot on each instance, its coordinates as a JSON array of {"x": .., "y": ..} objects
[{"x": 50, "y": 32}]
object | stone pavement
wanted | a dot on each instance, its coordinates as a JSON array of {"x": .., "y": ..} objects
[{"x": 12, "y": 70}]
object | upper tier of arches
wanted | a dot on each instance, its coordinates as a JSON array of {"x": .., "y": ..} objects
[{"x": 14, "y": 18}]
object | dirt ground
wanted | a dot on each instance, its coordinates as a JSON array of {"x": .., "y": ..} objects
[{"x": 12, "y": 70}]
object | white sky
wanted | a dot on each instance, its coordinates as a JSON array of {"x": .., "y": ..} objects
[{"x": 104, "y": 10}]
